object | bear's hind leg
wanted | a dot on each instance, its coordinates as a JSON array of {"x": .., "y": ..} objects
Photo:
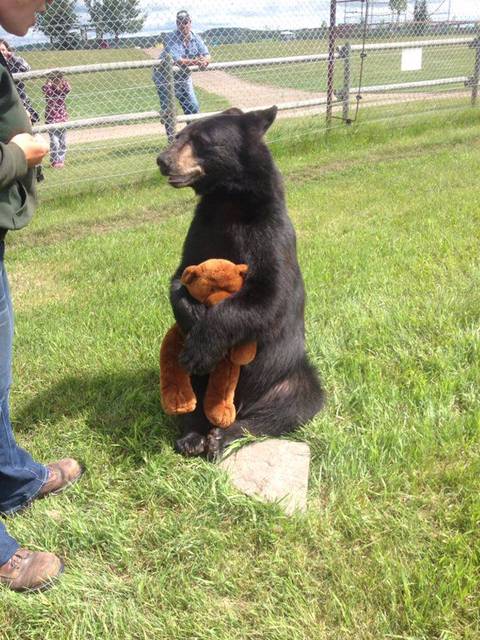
[
  {"x": 287, "y": 405},
  {"x": 193, "y": 441}
]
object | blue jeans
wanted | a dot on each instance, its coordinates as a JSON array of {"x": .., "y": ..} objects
[
  {"x": 185, "y": 94},
  {"x": 21, "y": 478},
  {"x": 58, "y": 145}
]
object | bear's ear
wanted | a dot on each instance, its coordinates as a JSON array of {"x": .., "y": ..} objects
[
  {"x": 262, "y": 120},
  {"x": 189, "y": 275},
  {"x": 233, "y": 111}
]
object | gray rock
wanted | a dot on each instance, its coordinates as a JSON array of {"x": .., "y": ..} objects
[{"x": 272, "y": 470}]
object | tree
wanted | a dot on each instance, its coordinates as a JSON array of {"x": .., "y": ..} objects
[
  {"x": 398, "y": 7},
  {"x": 420, "y": 15},
  {"x": 115, "y": 16},
  {"x": 57, "y": 21},
  {"x": 95, "y": 9}
]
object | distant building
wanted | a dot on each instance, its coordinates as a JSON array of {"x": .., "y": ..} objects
[{"x": 288, "y": 35}]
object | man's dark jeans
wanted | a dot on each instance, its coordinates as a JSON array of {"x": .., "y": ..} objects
[{"x": 21, "y": 478}]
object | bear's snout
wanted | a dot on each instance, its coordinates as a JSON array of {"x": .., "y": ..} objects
[{"x": 163, "y": 163}]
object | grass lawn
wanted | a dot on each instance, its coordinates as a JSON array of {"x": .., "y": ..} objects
[
  {"x": 106, "y": 93},
  {"x": 119, "y": 161},
  {"x": 131, "y": 91},
  {"x": 380, "y": 67},
  {"x": 275, "y": 48},
  {"x": 161, "y": 547}
]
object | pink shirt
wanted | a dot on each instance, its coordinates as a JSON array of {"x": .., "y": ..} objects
[{"x": 56, "y": 110}]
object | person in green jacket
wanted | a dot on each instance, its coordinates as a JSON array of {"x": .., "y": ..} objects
[{"x": 21, "y": 478}]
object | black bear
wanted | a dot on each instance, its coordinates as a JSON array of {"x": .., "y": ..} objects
[{"x": 241, "y": 216}]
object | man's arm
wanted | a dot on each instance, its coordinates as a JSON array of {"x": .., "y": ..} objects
[
  {"x": 199, "y": 61},
  {"x": 204, "y": 55},
  {"x": 175, "y": 50}
]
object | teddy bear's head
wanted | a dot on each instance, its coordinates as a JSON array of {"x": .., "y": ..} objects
[{"x": 213, "y": 280}]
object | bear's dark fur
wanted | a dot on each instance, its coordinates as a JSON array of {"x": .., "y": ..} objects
[{"x": 241, "y": 216}]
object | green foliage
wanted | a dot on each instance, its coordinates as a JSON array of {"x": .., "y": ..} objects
[
  {"x": 116, "y": 16},
  {"x": 420, "y": 11},
  {"x": 156, "y": 546},
  {"x": 57, "y": 21},
  {"x": 398, "y": 6}
]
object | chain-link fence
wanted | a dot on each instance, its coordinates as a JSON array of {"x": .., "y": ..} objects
[{"x": 106, "y": 78}]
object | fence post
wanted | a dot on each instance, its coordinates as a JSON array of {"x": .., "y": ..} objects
[
  {"x": 476, "y": 70},
  {"x": 169, "y": 115},
  {"x": 332, "y": 33},
  {"x": 345, "y": 53}
]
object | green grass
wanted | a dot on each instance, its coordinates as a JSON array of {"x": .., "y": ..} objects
[
  {"x": 106, "y": 93},
  {"x": 131, "y": 91},
  {"x": 277, "y": 48},
  {"x": 380, "y": 67},
  {"x": 162, "y": 547},
  {"x": 93, "y": 165}
]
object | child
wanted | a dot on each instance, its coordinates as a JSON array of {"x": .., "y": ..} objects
[
  {"x": 56, "y": 89},
  {"x": 16, "y": 64}
]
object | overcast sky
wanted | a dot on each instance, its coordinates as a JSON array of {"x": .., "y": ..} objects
[{"x": 260, "y": 14}]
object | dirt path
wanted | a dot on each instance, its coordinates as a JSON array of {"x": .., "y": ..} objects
[
  {"x": 155, "y": 130},
  {"x": 246, "y": 94}
]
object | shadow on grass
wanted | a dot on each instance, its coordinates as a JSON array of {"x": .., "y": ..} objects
[{"x": 123, "y": 407}]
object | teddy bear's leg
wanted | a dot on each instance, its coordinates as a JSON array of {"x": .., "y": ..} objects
[
  {"x": 176, "y": 390},
  {"x": 218, "y": 401}
]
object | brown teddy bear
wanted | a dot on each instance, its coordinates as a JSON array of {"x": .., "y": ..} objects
[{"x": 209, "y": 282}]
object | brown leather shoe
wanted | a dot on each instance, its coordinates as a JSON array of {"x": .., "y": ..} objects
[
  {"x": 30, "y": 570},
  {"x": 61, "y": 475}
]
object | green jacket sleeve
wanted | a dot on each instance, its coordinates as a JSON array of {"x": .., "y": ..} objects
[
  {"x": 13, "y": 164},
  {"x": 17, "y": 181}
]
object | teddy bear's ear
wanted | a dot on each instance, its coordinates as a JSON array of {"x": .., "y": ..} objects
[
  {"x": 188, "y": 276},
  {"x": 242, "y": 270}
]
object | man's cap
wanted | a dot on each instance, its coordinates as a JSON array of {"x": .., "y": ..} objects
[{"x": 183, "y": 16}]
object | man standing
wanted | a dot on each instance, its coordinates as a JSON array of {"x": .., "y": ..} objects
[
  {"x": 186, "y": 49},
  {"x": 21, "y": 478}
]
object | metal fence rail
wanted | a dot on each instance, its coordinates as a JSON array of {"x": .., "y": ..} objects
[
  {"x": 313, "y": 59},
  {"x": 341, "y": 95}
]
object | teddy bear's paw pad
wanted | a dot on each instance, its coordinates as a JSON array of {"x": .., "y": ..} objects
[
  {"x": 193, "y": 444},
  {"x": 222, "y": 416},
  {"x": 176, "y": 403}
]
